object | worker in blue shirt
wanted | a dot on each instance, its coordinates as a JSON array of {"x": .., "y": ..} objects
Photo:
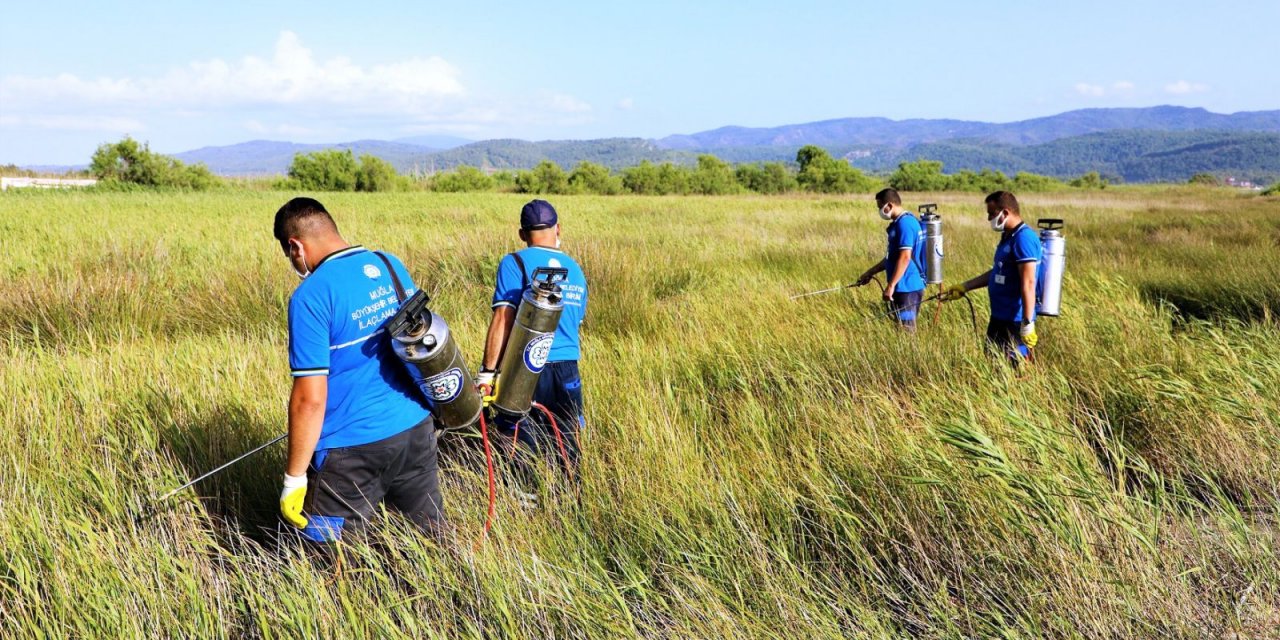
[
  {"x": 903, "y": 261},
  {"x": 559, "y": 386},
  {"x": 359, "y": 430},
  {"x": 1011, "y": 282}
]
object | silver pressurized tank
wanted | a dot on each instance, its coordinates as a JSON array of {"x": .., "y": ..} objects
[
  {"x": 529, "y": 343},
  {"x": 932, "y": 223},
  {"x": 1053, "y": 263},
  {"x": 423, "y": 341}
]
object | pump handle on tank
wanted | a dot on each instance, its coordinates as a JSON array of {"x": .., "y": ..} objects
[
  {"x": 1049, "y": 223},
  {"x": 409, "y": 318}
]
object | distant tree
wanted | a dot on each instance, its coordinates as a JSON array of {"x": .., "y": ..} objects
[
  {"x": 128, "y": 162},
  {"x": 921, "y": 175},
  {"x": 1273, "y": 190},
  {"x": 376, "y": 174},
  {"x": 1205, "y": 180},
  {"x": 821, "y": 173},
  {"x": 672, "y": 180},
  {"x": 1026, "y": 182},
  {"x": 1091, "y": 180},
  {"x": 547, "y": 177},
  {"x": 327, "y": 170},
  {"x": 642, "y": 179},
  {"x": 713, "y": 176},
  {"x": 767, "y": 178},
  {"x": 589, "y": 177},
  {"x": 461, "y": 179}
]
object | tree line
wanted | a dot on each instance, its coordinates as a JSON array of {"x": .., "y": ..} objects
[{"x": 128, "y": 163}]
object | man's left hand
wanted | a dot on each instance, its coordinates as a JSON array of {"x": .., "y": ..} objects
[
  {"x": 291, "y": 498},
  {"x": 1028, "y": 334},
  {"x": 888, "y": 292}
]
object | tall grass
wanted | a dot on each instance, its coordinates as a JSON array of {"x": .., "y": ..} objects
[{"x": 753, "y": 467}]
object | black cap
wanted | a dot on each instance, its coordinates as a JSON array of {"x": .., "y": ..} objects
[{"x": 537, "y": 214}]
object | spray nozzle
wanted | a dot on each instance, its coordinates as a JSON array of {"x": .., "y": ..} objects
[{"x": 411, "y": 318}]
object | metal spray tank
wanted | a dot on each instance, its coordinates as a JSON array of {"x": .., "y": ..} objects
[
  {"x": 932, "y": 223},
  {"x": 1053, "y": 262},
  {"x": 425, "y": 344},
  {"x": 529, "y": 343}
]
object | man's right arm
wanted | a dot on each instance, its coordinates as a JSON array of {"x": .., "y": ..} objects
[
  {"x": 504, "y": 316},
  {"x": 978, "y": 282}
]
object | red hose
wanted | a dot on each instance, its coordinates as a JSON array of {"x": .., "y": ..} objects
[
  {"x": 555, "y": 428},
  {"x": 493, "y": 484}
]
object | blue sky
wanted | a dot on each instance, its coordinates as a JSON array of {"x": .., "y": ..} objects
[{"x": 183, "y": 74}]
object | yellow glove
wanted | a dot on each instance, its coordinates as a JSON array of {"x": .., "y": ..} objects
[
  {"x": 295, "y": 491},
  {"x": 1028, "y": 334},
  {"x": 487, "y": 383},
  {"x": 954, "y": 292}
]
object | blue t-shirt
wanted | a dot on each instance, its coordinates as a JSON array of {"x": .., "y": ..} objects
[
  {"x": 336, "y": 319},
  {"x": 1005, "y": 285},
  {"x": 905, "y": 233},
  {"x": 511, "y": 285}
]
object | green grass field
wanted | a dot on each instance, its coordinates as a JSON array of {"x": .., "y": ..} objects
[{"x": 753, "y": 467}]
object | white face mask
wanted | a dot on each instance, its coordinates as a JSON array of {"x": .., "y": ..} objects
[
  {"x": 557, "y": 239},
  {"x": 997, "y": 223},
  {"x": 301, "y": 275},
  {"x": 886, "y": 213}
]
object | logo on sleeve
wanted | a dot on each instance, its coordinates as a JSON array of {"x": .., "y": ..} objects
[
  {"x": 443, "y": 387},
  {"x": 372, "y": 271},
  {"x": 537, "y": 352}
]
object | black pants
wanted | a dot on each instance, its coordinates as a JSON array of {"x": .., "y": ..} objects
[
  {"x": 345, "y": 485},
  {"x": 1005, "y": 337},
  {"x": 560, "y": 391},
  {"x": 906, "y": 306}
]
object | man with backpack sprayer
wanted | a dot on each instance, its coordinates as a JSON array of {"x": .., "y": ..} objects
[
  {"x": 1011, "y": 282},
  {"x": 904, "y": 260},
  {"x": 552, "y": 357}
]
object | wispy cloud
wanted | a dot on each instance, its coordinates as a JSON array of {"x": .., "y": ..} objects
[
  {"x": 291, "y": 85},
  {"x": 1182, "y": 87},
  {"x": 626, "y": 104},
  {"x": 1098, "y": 90}
]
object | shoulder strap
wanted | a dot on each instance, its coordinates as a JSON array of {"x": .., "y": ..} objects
[
  {"x": 524, "y": 278},
  {"x": 395, "y": 279}
]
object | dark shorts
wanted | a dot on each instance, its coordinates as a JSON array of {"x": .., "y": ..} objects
[
  {"x": 905, "y": 306},
  {"x": 1004, "y": 336},
  {"x": 345, "y": 485},
  {"x": 560, "y": 391}
]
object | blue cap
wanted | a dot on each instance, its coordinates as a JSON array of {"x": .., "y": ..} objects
[{"x": 538, "y": 214}]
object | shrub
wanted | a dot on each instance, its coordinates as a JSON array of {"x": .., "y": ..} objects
[
  {"x": 589, "y": 177},
  {"x": 328, "y": 170},
  {"x": 461, "y": 179},
  {"x": 128, "y": 162},
  {"x": 767, "y": 178}
]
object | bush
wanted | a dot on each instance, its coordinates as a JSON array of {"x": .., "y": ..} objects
[
  {"x": 131, "y": 163},
  {"x": 1205, "y": 180},
  {"x": 328, "y": 170},
  {"x": 547, "y": 177},
  {"x": 921, "y": 175},
  {"x": 821, "y": 173},
  {"x": 376, "y": 174},
  {"x": 1273, "y": 190},
  {"x": 767, "y": 178},
  {"x": 1090, "y": 180},
  {"x": 1024, "y": 181},
  {"x": 589, "y": 177},
  {"x": 461, "y": 179},
  {"x": 713, "y": 176}
]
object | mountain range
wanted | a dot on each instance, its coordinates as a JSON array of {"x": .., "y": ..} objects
[{"x": 1133, "y": 144}]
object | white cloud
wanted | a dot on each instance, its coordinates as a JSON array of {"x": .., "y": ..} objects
[
  {"x": 110, "y": 124},
  {"x": 291, "y": 76},
  {"x": 1122, "y": 85},
  {"x": 1182, "y": 87},
  {"x": 626, "y": 104},
  {"x": 1092, "y": 90},
  {"x": 290, "y": 92}
]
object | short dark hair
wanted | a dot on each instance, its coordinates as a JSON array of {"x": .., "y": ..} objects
[
  {"x": 1004, "y": 200},
  {"x": 888, "y": 196},
  {"x": 298, "y": 217}
]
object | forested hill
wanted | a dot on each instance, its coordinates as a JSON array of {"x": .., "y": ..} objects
[{"x": 905, "y": 133}]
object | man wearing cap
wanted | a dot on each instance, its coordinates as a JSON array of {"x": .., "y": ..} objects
[
  {"x": 1011, "y": 282},
  {"x": 559, "y": 385}
]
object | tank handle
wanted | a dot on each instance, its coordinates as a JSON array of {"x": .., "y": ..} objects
[
  {"x": 1049, "y": 224},
  {"x": 927, "y": 209}
]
